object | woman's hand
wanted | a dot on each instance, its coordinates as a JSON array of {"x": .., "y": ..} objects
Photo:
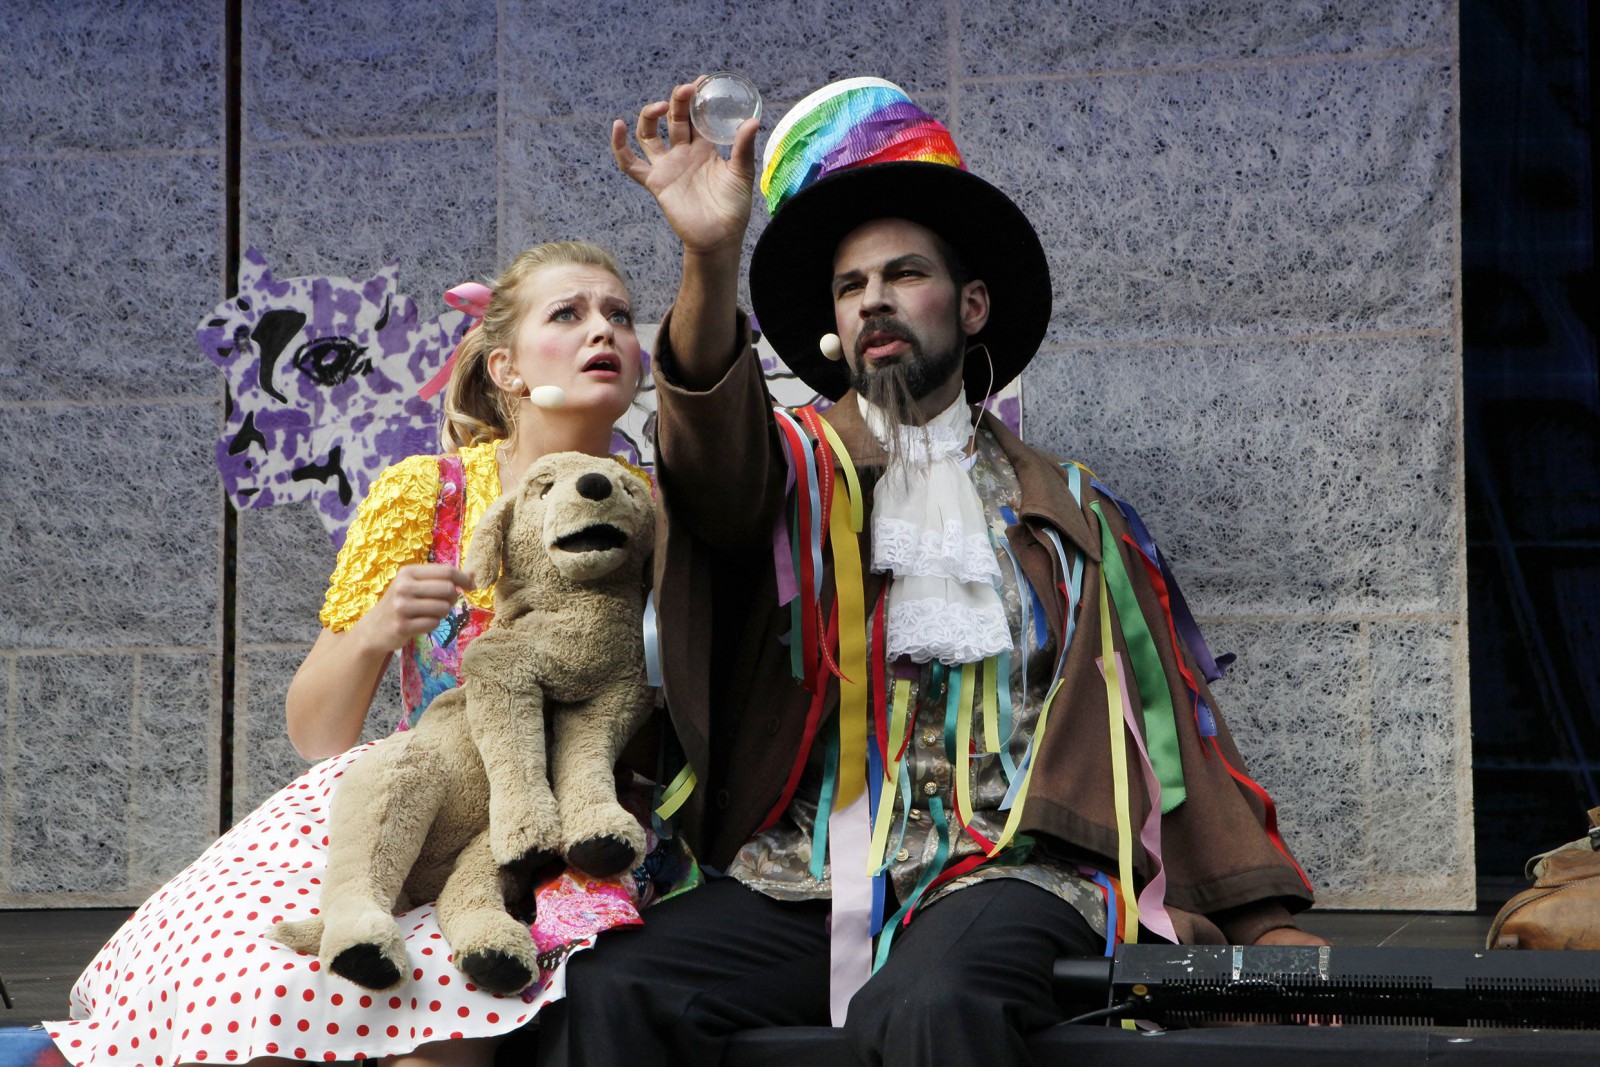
[
  {"x": 705, "y": 198},
  {"x": 328, "y": 699},
  {"x": 420, "y": 595}
]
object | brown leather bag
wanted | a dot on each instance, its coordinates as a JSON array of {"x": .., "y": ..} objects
[{"x": 1562, "y": 910}]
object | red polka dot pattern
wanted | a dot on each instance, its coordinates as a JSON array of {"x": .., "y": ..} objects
[{"x": 155, "y": 995}]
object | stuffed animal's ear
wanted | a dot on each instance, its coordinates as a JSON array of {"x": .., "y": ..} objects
[{"x": 488, "y": 542}]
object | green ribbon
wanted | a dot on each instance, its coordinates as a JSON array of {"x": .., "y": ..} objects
[
  {"x": 931, "y": 871},
  {"x": 1155, "y": 697},
  {"x": 951, "y": 680},
  {"x": 830, "y": 782}
]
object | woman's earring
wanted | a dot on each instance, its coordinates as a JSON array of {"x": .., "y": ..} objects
[{"x": 832, "y": 348}]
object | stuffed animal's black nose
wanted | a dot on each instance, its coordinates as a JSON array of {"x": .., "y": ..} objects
[{"x": 594, "y": 486}]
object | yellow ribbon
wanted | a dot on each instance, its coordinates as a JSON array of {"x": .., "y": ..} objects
[
  {"x": 673, "y": 797},
  {"x": 852, "y": 648},
  {"x": 891, "y": 776},
  {"x": 991, "y": 704},
  {"x": 1119, "y": 768},
  {"x": 848, "y": 466},
  {"x": 963, "y": 782},
  {"x": 1014, "y": 819}
]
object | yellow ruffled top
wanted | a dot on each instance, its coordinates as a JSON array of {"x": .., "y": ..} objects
[{"x": 393, "y": 527}]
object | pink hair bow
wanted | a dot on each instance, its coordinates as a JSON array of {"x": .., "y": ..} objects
[{"x": 471, "y": 299}]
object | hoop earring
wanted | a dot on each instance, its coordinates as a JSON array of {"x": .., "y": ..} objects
[{"x": 988, "y": 394}]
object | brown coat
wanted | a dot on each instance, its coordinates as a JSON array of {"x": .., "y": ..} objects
[{"x": 739, "y": 713}]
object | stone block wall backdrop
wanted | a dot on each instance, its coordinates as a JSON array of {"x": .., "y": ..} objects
[
  {"x": 1252, "y": 222},
  {"x": 112, "y": 201}
]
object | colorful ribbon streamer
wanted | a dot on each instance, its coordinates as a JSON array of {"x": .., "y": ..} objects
[
  {"x": 1119, "y": 766},
  {"x": 676, "y": 793},
  {"x": 1155, "y": 697}
]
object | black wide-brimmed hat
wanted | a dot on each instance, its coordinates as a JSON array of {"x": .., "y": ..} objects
[{"x": 858, "y": 150}]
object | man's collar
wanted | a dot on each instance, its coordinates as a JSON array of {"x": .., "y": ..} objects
[{"x": 1043, "y": 483}]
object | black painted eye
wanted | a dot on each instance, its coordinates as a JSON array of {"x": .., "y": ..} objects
[{"x": 331, "y": 360}]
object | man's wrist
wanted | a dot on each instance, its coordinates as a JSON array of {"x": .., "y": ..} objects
[{"x": 713, "y": 269}]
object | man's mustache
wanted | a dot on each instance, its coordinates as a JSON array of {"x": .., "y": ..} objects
[{"x": 881, "y": 329}]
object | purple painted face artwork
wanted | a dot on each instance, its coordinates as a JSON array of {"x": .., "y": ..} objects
[{"x": 323, "y": 374}]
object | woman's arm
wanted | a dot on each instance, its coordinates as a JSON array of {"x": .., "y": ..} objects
[{"x": 328, "y": 699}]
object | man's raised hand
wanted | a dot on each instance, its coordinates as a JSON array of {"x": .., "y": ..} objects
[{"x": 705, "y": 198}]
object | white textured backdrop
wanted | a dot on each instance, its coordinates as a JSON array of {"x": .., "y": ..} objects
[{"x": 1251, "y": 213}]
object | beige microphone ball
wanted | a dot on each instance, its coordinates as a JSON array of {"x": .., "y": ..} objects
[{"x": 548, "y": 396}]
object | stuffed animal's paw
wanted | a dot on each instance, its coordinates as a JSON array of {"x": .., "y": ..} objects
[
  {"x": 528, "y": 845},
  {"x": 605, "y": 842},
  {"x": 603, "y": 856},
  {"x": 498, "y": 972},
  {"x": 367, "y": 965},
  {"x": 491, "y": 948},
  {"x": 302, "y": 935},
  {"x": 368, "y": 951}
]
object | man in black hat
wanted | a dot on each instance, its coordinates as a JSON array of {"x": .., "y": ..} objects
[{"x": 946, "y": 715}]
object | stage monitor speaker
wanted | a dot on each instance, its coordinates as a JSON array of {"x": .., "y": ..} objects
[{"x": 1177, "y": 985}]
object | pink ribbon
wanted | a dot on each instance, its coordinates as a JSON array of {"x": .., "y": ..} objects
[
  {"x": 850, "y": 929},
  {"x": 1153, "y": 898},
  {"x": 471, "y": 299}
]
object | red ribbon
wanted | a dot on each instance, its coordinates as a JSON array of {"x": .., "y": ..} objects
[
  {"x": 813, "y": 720},
  {"x": 810, "y": 610}
]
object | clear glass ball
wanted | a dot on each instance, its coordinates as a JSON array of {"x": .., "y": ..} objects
[{"x": 721, "y": 105}]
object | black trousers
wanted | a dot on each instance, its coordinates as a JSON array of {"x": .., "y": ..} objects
[{"x": 965, "y": 983}]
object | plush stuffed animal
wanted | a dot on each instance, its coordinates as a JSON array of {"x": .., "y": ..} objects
[{"x": 452, "y": 808}]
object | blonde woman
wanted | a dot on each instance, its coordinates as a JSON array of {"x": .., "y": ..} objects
[{"x": 191, "y": 978}]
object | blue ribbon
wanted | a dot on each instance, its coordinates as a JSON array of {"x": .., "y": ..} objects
[
  {"x": 1212, "y": 667},
  {"x": 874, "y": 791},
  {"x": 652, "y": 642},
  {"x": 1041, "y": 632},
  {"x": 1003, "y": 692},
  {"x": 1074, "y": 593},
  {"x": 1111, "y": 911}
]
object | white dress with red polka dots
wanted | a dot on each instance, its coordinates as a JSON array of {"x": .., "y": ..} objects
[{"x": 192, "y": 976}]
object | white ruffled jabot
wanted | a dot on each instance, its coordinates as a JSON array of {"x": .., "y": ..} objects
[{"x": 929, "y": 532}]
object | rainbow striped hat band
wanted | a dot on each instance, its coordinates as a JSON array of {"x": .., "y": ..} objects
[{"x": 847, "y": 124}]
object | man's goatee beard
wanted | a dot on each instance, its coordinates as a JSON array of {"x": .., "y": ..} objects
[{"x": 898, "y": 389}]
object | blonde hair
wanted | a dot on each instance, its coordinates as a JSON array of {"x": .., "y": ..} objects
[{"x": 475, "y": 409}]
